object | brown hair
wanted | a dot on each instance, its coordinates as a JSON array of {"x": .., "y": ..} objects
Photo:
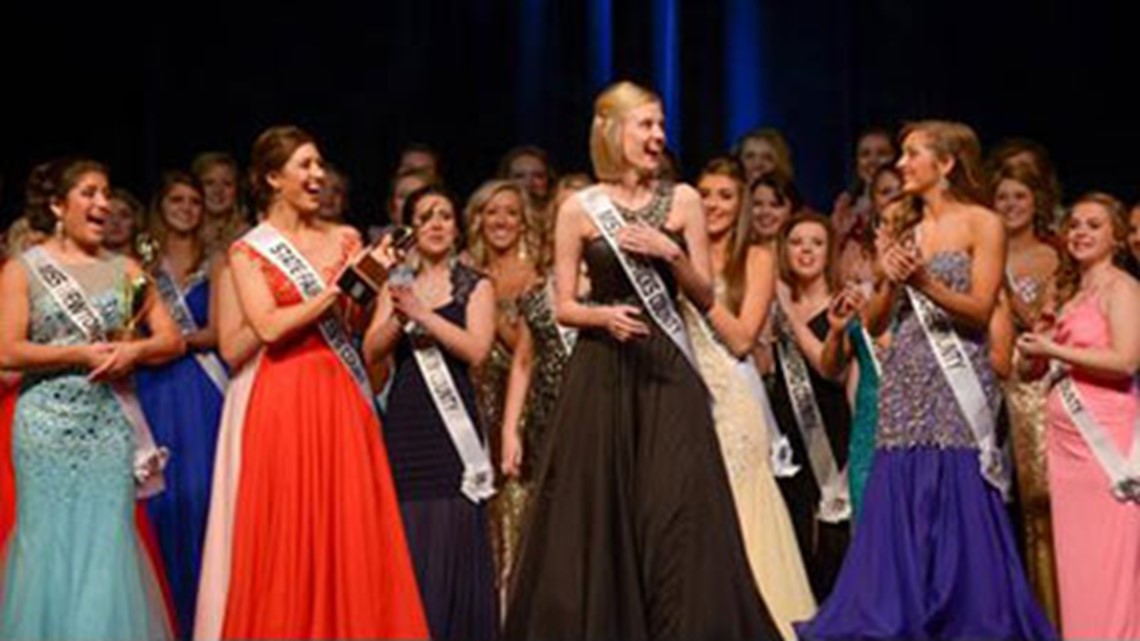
[
  {"x": 1069, "y": 272},
  {"x": 949, "y": 141},
  {"x": 51, "y": 181},
  {"x": 830, "y": 273},
  {"x": 782, "y": 185},
  {"x": 1043, "y": 202},
  {"x": 157, "y": 223},
  {"x": 740, "y": 235},
  {"x": 1001, "y": 153},
  {"x": 207, "y": 160},
  {"x": 272, "y": 149}
]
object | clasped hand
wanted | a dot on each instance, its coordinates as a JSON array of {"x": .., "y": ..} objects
[
  {"x": 644, "y": 240},
  {"x": 109, "y": 361}
]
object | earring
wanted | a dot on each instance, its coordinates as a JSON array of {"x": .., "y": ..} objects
[
  {"x": 944, "y": 183},
  {"x": 58, "y": 227}
]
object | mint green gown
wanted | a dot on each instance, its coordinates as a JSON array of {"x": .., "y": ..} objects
[{"x": 74, "y": 567}]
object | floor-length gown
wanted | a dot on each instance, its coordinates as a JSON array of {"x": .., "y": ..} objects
[
  {"x": 447, "y": 533},
  {"x": 504, "y": 510},
  {"x": 861, "y": 448},
  {"x": 769, "y": 538},
  {"x": 552, "y": 348},
  {"x": 933, "y": 556},
  {"x": 318, "y": 547},
  {"x": 183, "y": 406},
  {"x": 1025, "y": 407},
  {"x": 822, "y": 544},
  {"x": 1097, "y": 537},
  {"x": 75, "y": 567},
  {"x": 632, "y": 532}
]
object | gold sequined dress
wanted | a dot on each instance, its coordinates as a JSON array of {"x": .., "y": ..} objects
[{"x": 1025, "y": 404}]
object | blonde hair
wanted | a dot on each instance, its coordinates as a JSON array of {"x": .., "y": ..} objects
[
  {"x": 473, "y": 214},
  {"x": 610, "y": 109},
  {"x": 781, "y": 151}
]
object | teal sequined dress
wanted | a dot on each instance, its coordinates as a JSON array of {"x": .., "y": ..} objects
[{"x": 75, "y": 567}]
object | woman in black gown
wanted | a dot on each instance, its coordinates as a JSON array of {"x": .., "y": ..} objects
[{"x": 632, "y": 534}]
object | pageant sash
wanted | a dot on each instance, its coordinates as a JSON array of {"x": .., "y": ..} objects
[
  {"x": 1123, "y": 473},
  {"x": 870, "y": 343},
  {"x": 779, "y": 449},
  {"x": 641, "y": 273},
  {"x": 175, "y": 301},
  {"x": 568, "y": 335},
  {"x": 277, "y": 249},
  {"x": 967, "y": 389},
  {"x": 478, "y": 483},
  {"x": 149, "y": 459},
  {"x": 834, "y": 500}
]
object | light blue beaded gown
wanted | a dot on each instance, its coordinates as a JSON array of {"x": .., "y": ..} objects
[{"x": 75, "y": 567}]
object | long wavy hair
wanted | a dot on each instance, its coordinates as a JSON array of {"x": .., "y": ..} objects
[
  {"x": 965, "y": 182},
  {"x": 740, "y": 235},
  {"x": 1068, "y": 271}
]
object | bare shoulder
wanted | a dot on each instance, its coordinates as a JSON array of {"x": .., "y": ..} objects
[
  {"x": 685, "y": 196},
  {"x": 13, "y": 273},
  {"x": 132, "y": 266},
  {"x": 572, "y": 215},
  {"x": 980, "y": 215},
  {"x": 1124, "y": 286},
  {"x": 760, "y": 255}
]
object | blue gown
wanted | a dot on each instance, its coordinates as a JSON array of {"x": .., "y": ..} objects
[
  {"x": 183, "y": 407},
  {"x": 75, "y": 567},
  {"x": 933, "y": 556}
]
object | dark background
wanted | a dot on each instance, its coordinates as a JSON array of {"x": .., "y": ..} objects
[{"x": 145, "y": 87}]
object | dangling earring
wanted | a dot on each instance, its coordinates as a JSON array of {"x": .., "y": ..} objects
[
  {"x": 944, "y": 183},
  {"x": 58, "y": 228}
]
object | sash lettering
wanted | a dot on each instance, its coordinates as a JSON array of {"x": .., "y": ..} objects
[
  {"x": 834, "y": 501},
  {"x": 277, "y": 249},
  {"x": 170, "y": 293},
  {"x": 642, "y": 275},
  {"x": 967, "y": 389},
  {"x": 149, "y": 459},
  {"x": 1123, "y": 474},
  {"x": 478, "y": 483}
]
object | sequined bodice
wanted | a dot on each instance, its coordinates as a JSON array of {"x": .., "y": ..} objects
[
  {"x": 49, "y": 324},
  {"x": 72, "y": 444},
  {"x": 916, "y": 405}
]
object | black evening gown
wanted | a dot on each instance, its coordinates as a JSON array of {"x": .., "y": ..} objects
[{"x": 633, "y": 533}]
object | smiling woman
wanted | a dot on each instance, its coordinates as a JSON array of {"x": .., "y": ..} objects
[
  {"x": 632, "y": 445},
  {"x": 318, "y": 549},
  {"x": 183, "y": 398},
  {"x": 74, "y": 567}
]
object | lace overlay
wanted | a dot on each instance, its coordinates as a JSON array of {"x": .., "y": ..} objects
[{"x": 930, "y": 417}]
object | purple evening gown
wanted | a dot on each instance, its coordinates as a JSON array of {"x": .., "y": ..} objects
[{"x": 934, "y": 555}]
